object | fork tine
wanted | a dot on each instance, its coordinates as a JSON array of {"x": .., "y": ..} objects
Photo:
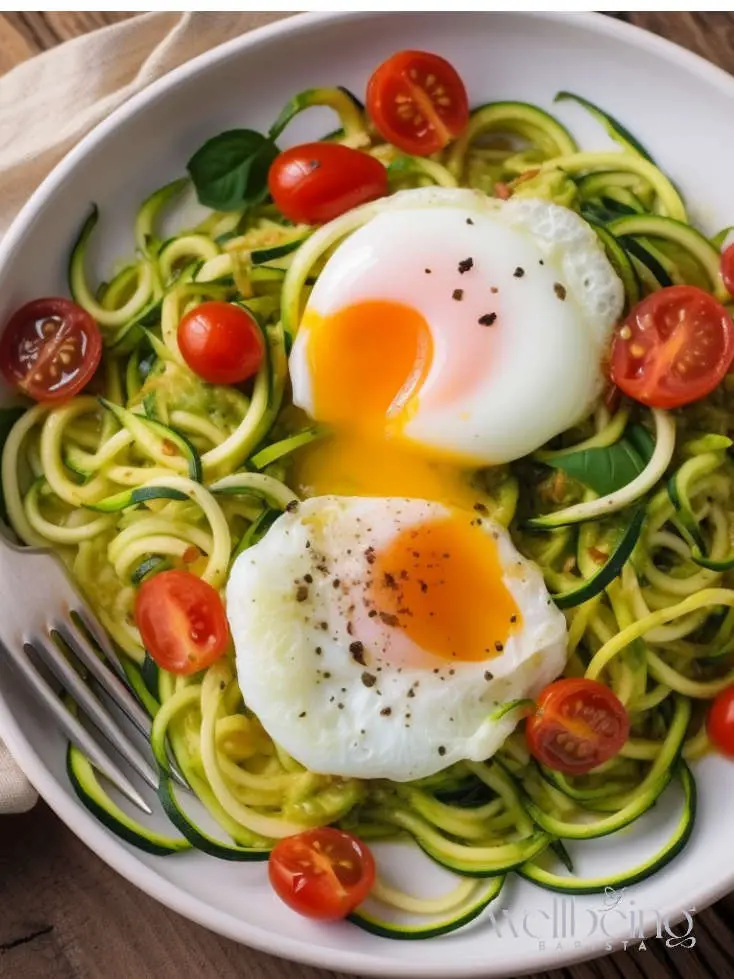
[
  {"x": 71, "y": 727},
  {"x": 98, "y": 632},
  {"x": 97, "y": 713},
  {"x": 109, "y": 682}
]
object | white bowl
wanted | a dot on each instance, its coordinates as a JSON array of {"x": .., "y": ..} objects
[{"x": 679, "y": 106}]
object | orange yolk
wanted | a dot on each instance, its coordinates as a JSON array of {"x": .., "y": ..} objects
[
  {"x": 352, "y": 465},
  {"x": 367, "y": 363},
  {"x": 441, "y": 584},
  {"x": 364, "y": 362}
]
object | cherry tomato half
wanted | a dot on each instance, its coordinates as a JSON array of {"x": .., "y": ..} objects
[
  {"x": 418, "y": 102},
  {"x": 674, "y": 348},
  {"x": 182, "y": 622},
  {"x": 322, "y": 873},
  {"x": 50, "y": 349},
  {"x": 315, "y": 182},
  {"x": 577, "y": 725},
  {"x": 720, "y": 721},
  {"x": 727, "y": 268},
  {"x": 221, "y": 342}
]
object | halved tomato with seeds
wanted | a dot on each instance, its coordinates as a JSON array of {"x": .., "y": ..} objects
[
  {"x": 577, "y": 725},
  {"x": 418, "y": 102},
  {"x": 50, "y": 349},
  {"x": 675, "y": 347},
  {"x": 322, "y": 873}
]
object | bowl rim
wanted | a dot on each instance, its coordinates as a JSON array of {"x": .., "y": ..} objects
[{"x": 111, "y": 850}]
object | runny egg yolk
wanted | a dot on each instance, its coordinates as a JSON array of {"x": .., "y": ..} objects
[
  {"x": 441, "y": 584},
  {"x": 366, "y": 365},
  {"x": 364, "y": 362}
]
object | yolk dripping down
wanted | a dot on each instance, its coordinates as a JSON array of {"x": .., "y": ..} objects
[
  {"x": 441, "y": 584},
  {"x": 366, "y": 364}
]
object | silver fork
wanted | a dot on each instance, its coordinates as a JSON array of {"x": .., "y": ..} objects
[{"x": 39, "y": 605}]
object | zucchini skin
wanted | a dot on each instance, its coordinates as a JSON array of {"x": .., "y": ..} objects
[
  {"x": 147, "y": 430},
  {"x": 637, "y": 227},
  {"x": 630, "y": 238},
  {"x": 272, "y": 257},
  {"x": 150, "y": 566},
  {"x": 195, "y": 836},
  {"x": 616, "y": 130},
  {"x": 635, "y": 491},
  {"x": 96, "y": 800},
  {"x": 513, "y": 855},
  {"x": 518, "y": 118},
  {"x": 128, "y": 498},
  {"x": 609, "y": 571},
  {"x": 621, "y": 264},
  {"x": 678, "y": 487},
  {"x": 681, "y": 835},
  {"x": 466, "y": 913},
  {"x": 346, "y": 105},
  {"x": 122, "y": 318}
]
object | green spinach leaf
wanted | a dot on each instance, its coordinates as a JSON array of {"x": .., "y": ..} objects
[
  {"x": 230, "y": 170},
  {"x": 603, "y": 470}
]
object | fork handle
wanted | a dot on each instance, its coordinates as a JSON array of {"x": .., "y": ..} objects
[{"x": 73, "y": 729}]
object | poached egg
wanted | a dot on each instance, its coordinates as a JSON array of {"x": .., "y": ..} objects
[
  {"x": 451, "y": 331},
  {"x": 376, "y": 638}
]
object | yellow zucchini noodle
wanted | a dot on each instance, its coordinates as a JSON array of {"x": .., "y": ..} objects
[{"x": 642, "y": 571}]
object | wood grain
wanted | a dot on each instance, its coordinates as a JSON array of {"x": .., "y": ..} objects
[
  {"x": 708, "y": 34},
  {"x": 65, "y": 915},
  {"x": 23, "y": 34}
]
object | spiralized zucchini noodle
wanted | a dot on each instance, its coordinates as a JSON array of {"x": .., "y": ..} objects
[{"x": 166, "y": 471}]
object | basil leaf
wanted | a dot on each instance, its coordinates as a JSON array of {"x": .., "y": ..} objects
[
  {"x": 642, "y": 441},
  {"x": 8, "y": 418},
  {"x": 602, "y": 470},
  {"x": 230, "y": 170}
]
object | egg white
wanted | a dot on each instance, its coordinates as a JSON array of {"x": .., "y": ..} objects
[
  {"x": 493, "y": 393},
  {"x": 297, "y": 673}
]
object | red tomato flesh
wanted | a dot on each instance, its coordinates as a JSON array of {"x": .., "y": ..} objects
[
  {"x": 221, "y": 342},
  {"x": 50, "y": 349},
  {"x": 182, "y": 622},
  {"x": 322, "y": 873},
  {"x": 720, "y": 721},
  {"x": 577, "y": 725},
  {"x": 675, "y": 347},
  {"x": 418, "y": 102},
  {"x": 316, "y": 182}
]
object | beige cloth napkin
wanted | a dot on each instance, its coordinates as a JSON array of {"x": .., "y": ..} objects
[{"x": 49, "y": 103}]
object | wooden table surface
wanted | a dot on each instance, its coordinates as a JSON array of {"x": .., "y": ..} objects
[{"x": 65, "y": 915}]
